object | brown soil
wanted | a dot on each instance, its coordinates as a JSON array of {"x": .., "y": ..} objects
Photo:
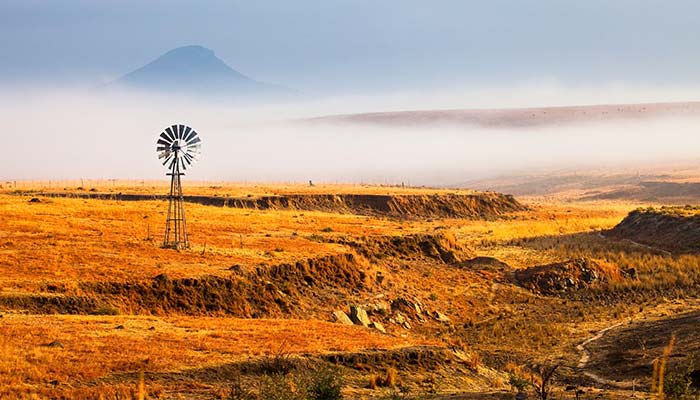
[
  {"x": 627, "y": 353},
  {"x": 485, "y": 205}
]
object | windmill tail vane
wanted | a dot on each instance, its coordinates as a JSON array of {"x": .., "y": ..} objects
[{"x": 178, "y": 146}]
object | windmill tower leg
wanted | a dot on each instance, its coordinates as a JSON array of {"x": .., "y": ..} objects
[
  {"x": 176, "y": 225},
  {"x": 169, "y": 220}
]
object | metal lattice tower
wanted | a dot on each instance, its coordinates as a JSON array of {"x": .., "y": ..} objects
[{"x": 179, "y": 147}]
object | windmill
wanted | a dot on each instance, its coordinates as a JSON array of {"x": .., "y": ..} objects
[{"x": 179, "y": 146}]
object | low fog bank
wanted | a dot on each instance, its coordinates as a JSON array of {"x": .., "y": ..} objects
[{"x": 68, "y": 135}]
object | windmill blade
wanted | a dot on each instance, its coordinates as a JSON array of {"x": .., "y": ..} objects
[
  {"x": 182, "y": 163},
  {"x": 171, "y": 135},
  {"x": 164, "y": 137},
  {"x": 186, "y": 135},
  {"x": 162, "y": 148},
  {"x": 174, "y": 129},
  {"x": 194, "y": 155},
  {"x": 194, "y": 140},
  {"x": 168, "y": 158},
  {"x": 188, "y": 158},
  {"x": 164, "y": 154},
  {"x": 181, "y": 131},
  {"x": 190, "y": 135},
  {"x": 194, "y": 152},
  {"x": 164, "y": 142}
]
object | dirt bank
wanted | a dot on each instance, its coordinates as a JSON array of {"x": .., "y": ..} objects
[
  {"x": 310, "y": 288},
  {"x": 659, "y": 229},
  {"x": 486, "y": 205}
]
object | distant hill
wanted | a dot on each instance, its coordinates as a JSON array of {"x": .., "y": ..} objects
[
  {"x": 194, "y": 70},
  {"x": 518, "y": 117}
]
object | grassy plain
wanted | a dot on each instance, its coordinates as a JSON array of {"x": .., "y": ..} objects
[{"x": 68, "y": 242}]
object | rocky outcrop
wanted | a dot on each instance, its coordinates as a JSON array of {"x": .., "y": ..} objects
[
  {"x": 341, "y": 318},
  {"x": 567, "y": 276},
  {"x": 442, "y": 247},
  {"x": 359, "y": 316}
]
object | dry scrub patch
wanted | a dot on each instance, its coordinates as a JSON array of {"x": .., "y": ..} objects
[{"x": 43, "y": 352}]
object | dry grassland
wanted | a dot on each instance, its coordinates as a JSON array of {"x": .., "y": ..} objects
[{"x": 66, "y": 242}]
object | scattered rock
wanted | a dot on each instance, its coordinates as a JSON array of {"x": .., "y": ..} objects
[
  {"x": 153, "y": 328},
  {"x": 236, "y": 268},
  {"x": 378, "y": 326},
  {"x": 380, "y": 277},
  {"x": 358, "y": 315},
  {"x": 55, "y": 343},
  {"x": 341, "y": 318},
  {"x": 35, "y": 200},
  {"x": 400, "y": 319},
  {"x": 381, "y": 308},
  {"x": 119, "y": 327},
  {"x": 406, "y": 325},
  {"x": 406, "y": 306},
  {"x": 440, "y": 317}
]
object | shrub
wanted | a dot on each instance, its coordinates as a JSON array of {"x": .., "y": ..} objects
[
  {"x": 325, "y": 383},
  {"x": 676, "y": 386},
  {"x": 279, "y": 387},
  {"x": 518, "y": 383},
  {"x": 280, "y": 363},
  {"x": 105, "y": 310},
  {"x": 389, "y": 379}
]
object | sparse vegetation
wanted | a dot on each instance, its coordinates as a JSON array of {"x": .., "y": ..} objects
[{"x": 160, "y": 311}]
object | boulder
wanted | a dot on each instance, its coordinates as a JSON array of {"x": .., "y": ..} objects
[
  {"x": 358, "y": 315},
  {"x": 378, "y": 326},
  {"x": 55, "y": 343},
  {"x": 440, "y": 317},
  {"x": 400, "y": 319},
  {"x": 341, "y": 318}
]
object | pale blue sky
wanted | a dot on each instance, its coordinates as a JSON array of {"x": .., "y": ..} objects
[{"x": 360, "y": 45}]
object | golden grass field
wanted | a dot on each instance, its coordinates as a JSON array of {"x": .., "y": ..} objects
[{"x": 69, "y": 242}]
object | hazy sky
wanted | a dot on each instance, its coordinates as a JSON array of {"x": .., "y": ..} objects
[
  {"x": 354, "y": 46},
  {"x": 358, "y": 55}
]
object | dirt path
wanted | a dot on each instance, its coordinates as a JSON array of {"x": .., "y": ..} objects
[{"x": 586, "y": 356}]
